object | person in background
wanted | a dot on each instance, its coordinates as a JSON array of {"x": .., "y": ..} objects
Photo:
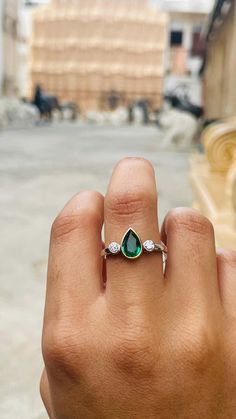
[{"x": 38, "y": 98}]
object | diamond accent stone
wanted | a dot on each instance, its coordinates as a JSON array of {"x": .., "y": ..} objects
[
  {"x": 114, "y": 248},
  {"x": 149, "y": 246}
]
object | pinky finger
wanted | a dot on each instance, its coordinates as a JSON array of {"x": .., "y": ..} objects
[
  {"x": 45, "y": 394},
  {"x": 226, "y": 263}
]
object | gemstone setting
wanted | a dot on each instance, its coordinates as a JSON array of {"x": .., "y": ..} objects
[
  {"x": 114, "y": 248},
  {"x": 149, "y": 246},
  {"x": 131, "y": 246}
]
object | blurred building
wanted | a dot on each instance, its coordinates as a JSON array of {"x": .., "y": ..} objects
[
  {"x": 89, "y": 51},
  {"x": 1, "y": 48},
  {"x": 9, "y": 14},
  {"x": 187, "y": 20},
  {"x": 15, "y": 33},
  {"x": 220, "y": 98},
  {"x": 25, "y": 31},
  {"x": 26, "y": 9},
  {"x": 185, "y": 53}
]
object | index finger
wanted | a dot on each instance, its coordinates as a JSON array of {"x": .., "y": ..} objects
[{"x": 75, "y": 265}]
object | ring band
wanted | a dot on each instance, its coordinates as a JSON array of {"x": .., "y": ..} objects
[{"x": 132, "y": 247}]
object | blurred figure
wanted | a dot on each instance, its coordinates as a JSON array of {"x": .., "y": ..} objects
[
  {"x": 47, "y": 104},
  {"x": 40, "y": 102},
  {"x": 139, "y": 111}
]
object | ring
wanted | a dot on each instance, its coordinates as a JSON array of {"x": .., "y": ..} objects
[{"x": 132, "y": 247}]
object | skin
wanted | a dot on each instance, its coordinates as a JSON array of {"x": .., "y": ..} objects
[{"x": 145, "y": 345}]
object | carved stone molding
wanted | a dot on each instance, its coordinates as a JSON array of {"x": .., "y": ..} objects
[
  {"x": 220, "y": 146},
  {"x": 213, "y": 178}
]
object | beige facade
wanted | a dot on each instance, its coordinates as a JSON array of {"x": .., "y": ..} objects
[
  {"x": 82, "y": 50},
  {"x": 9, "y": 43},
  {"x": 220, "y": 75}
]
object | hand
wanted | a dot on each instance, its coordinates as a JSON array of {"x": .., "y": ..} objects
[{"x": 146, "y": 345}]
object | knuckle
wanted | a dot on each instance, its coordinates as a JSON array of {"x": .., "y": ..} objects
[
  {"x": 199, "y": 348},
  {"x": 59, "y": 350},
  {"x": 128, "y": 203},
  {"x": 189, "y": 220},
  {"x": 66, "y": 352},
  {"x": 64, "y": 225},
  {"x": 134, "y": 356},
  {"x": 227, "y": 257}
]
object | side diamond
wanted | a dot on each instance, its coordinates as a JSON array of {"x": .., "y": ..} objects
[
  {"x": 149, "y": 246},
  {"x": 114, "y": 248}
]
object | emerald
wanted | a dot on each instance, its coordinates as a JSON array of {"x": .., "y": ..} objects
[{"x": 131, "y": 245}]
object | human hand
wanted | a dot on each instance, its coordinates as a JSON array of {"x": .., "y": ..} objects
[{"x": 147, "y": 345}]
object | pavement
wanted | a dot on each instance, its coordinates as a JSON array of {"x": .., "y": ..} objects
[{"x": 40, "y": 169}]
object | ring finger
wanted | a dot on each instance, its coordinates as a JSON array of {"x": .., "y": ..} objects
[{"x": 131, "y": 201}]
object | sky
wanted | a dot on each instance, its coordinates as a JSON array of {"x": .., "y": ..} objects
[
  {"x": 203, "y": 5},
  {"x": 183, "y": 5}
]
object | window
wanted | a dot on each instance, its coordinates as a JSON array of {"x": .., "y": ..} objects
[{"x": 176, "y": 38}]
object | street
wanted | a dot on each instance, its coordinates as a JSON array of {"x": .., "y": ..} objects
[{"x": 41, "y": 168}]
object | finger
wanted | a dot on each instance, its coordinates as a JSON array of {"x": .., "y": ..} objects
[
  {"x": 191, "y": 265},
  {"x": 45, "y": 394},
  {"x": 131, "y": 201},
  {"x": 75, "y": 265},
  {"x": 226, "y": 262}
]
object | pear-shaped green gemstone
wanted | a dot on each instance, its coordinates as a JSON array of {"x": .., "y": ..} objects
[{"x": 131, "y": 245}]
